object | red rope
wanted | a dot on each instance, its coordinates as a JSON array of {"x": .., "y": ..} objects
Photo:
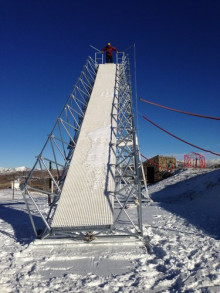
[
  {"x": 176, "y": 110},
  {"x": 179, "y": 138},
  {"x": 156, "y": 163}
]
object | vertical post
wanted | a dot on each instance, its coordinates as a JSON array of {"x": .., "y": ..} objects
[
  {"x": 137, "y": 180},
  {"x": 13, "y": 187},
  {"x": 50, "y": 184}
]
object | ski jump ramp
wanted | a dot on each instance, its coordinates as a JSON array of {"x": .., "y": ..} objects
[
  {"x": 90, "y": 166},
  {"x": 86, "y": 200}
]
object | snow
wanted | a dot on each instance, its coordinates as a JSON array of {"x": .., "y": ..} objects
[
  {"x": 213, "y": 162},
  {"x": 97, "y": 157},
  {"x": 181, "y": 251},
  {"x": 86, "y": 198}
]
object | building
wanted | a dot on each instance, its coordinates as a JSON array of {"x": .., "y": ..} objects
[{"x": 158, "y": 168}]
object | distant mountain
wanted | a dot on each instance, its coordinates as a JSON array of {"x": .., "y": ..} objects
[
  {"x": 16, "y": 169},
  {"x": 213, "y": 163}
]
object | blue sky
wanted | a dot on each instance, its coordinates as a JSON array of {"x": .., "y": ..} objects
[{"x": 44, "y": 45}]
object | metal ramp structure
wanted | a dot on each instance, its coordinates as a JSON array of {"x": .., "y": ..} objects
[
  {"x": 86, "y": 182},
  {"x": 86, "y": 199}
]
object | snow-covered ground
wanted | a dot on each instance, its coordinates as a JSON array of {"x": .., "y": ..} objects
[{"x": 182, "y": 236}]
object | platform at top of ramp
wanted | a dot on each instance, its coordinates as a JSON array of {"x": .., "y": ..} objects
[{"x": 86, "y": 200}]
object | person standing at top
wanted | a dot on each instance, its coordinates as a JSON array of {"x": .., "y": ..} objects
[{"x": 109, "y": 49}]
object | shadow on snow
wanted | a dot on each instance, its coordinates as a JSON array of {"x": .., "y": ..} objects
[
  {"x": 197, "y": 200},
  {"x": 19, "y": 221}
]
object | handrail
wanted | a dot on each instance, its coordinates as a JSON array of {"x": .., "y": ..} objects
[{"x": 100, "y": 60}]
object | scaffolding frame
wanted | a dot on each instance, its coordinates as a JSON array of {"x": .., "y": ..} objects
[
  {"x": 54, "y": 159},
  {"x": 194, "y": 160},
  {"x": 128, "y": 169},
  {"x": 49, "y": 171}
]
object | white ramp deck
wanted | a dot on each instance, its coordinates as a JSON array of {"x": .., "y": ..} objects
[{"x": 86, "y": 200}]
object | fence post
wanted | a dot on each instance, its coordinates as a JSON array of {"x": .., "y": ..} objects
[{"x": 13, "y": 187}]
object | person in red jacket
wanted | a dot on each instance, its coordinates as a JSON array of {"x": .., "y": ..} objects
[{"x": 109, "y": 56}]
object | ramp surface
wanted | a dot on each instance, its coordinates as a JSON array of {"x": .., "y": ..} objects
[{"x": 86, "y": 200}]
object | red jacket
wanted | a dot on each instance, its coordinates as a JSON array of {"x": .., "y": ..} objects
[{"x": 109, "y": 50}]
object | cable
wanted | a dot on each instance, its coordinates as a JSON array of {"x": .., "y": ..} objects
[
  {"x": 179, "y": 138},
  {"x": 176, "y": 110},
  {"x": 132, "y": 45}
]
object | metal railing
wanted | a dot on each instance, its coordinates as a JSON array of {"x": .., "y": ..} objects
[{"x": 99, "y": 58}]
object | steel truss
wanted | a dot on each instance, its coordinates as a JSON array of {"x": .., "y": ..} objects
[
  {"x": 128, "y": 169},
  {"x": 49, "y": 172}
]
